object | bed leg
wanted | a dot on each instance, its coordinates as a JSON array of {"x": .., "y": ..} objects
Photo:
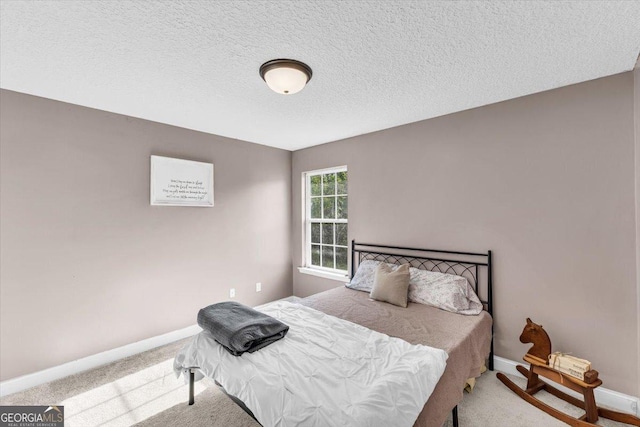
[
  {"x": 191, "y": 381},
  {"x": 455, "y": 416}
]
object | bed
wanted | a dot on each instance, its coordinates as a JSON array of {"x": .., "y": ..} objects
[{"x": 467, "y": 340}]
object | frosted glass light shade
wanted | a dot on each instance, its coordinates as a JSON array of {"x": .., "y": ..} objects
[{"x": 285, "y": 76}]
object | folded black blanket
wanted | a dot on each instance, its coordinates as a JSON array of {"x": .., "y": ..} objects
[{"x": 239, "y": 328}]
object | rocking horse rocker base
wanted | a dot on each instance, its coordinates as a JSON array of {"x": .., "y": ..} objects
[{"x": 539, "y": 367}]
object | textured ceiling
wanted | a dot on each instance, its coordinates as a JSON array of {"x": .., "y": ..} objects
[{"x": 376, "y": 64}]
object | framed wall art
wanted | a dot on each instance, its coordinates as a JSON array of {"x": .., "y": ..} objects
[{"x": 178, "y": 182}]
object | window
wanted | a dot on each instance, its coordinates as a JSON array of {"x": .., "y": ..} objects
[{"x": 326, "y": 220}]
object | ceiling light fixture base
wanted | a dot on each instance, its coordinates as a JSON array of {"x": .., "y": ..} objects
[{"x": 285, "y": 76}]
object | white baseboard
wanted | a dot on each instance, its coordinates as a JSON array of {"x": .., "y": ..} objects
[
  {"x": 24, "y": 382},
  {"x": 612, "y": 399}
]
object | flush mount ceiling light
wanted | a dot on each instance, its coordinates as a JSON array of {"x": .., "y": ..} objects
[{"x": 285, "y": 76}]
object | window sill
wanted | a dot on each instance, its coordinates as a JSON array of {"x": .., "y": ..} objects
[{"x": 324, "y": 274}]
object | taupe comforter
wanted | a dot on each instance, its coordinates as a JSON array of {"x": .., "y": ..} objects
[{"x": 466, "y": 339}]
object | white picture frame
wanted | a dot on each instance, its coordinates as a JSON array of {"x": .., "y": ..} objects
[{"x": 178, "y": 182}]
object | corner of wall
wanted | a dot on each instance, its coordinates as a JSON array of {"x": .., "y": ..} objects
[
  {"x": 636, "y": 118},
  {"x": 292, "y": 212}
]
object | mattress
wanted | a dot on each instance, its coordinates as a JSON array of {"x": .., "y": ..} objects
[
  {"x": 466, "y": 339},
  {"x": 325, "y": 372}
]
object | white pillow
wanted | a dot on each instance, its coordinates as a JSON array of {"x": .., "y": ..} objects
[
  {"x": 445, "y": 291},
  {"x": 365, "y": 275}
]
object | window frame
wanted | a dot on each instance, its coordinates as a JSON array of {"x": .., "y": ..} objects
[{"x": 307, "y": 266}]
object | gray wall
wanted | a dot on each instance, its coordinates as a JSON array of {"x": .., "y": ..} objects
[
  {"x": 545, "y": 181},
  {"x": 636, "y": 98},
  {"x": 89, "y": 265}
]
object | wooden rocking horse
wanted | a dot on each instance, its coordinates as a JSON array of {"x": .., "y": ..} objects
[{"x": 538, "y": 357}]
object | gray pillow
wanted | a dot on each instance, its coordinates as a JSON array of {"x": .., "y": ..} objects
[{"x": 391, "y": 286}]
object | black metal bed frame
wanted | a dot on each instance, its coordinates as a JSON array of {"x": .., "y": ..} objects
[
  {"x": 466, "y": 264},
  {"x": 469, "y": 265}
]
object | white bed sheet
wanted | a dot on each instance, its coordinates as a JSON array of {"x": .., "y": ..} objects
[{"x": 325, "y": 372}]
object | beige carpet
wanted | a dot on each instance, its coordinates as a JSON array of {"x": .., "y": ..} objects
[{"x": 142, "y": 390}]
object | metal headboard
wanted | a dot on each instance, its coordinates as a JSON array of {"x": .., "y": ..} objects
[{"x": 475, "y": 267}]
